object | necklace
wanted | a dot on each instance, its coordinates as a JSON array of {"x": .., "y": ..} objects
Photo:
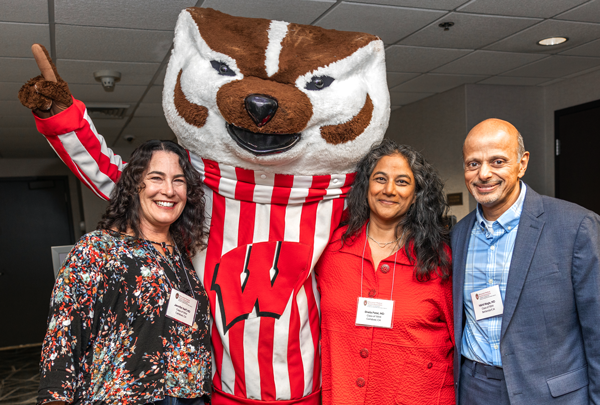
[{"x": 383, "y": 244}]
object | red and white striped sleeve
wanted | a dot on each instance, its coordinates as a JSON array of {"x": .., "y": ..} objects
[{"x": 72, "y": 135}]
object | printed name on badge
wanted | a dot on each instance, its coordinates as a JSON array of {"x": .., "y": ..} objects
[
  {"x": 374, "y": 312},
  {"x": 182, "y": 308},
  {"x": 487, "y": 302}
]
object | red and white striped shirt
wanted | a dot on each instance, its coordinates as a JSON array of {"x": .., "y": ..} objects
[{"x": 267, "y": 232}]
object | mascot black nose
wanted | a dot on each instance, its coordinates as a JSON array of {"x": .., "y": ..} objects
[{"x": 261, "y": 108}]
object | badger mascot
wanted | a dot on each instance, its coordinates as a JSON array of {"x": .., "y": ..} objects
[{"x": 274, "y": 115}]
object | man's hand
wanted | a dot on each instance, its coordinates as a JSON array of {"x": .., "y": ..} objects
[{"x": 46, "y": 94}]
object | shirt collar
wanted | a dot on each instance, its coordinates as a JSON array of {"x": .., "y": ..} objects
[{"x": 509, "y": 219}]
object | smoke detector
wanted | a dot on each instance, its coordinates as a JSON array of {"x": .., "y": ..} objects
[{"x": 108, "y": 78}]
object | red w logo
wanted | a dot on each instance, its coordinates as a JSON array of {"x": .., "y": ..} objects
[{"x": 260, "y": 276}]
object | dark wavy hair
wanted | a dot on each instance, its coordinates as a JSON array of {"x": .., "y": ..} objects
[
  {"x": 424, "y": 224},
  {"x": 123, "y": 212}
]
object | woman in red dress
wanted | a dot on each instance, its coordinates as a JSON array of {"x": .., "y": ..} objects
[{"x": 386, "y": 296}]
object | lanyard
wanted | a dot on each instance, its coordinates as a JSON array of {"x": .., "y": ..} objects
[
  {"x": 172, "y": 268},
  {"x": 362, "y": 264}
]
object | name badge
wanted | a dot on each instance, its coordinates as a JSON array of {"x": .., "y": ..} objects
[
  {"x": 182, "y": 308},
  {"x": 487, "y": 302},
  {"x": 374, "y": 312}
]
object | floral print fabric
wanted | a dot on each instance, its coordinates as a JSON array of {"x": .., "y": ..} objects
[{"x": 109, "y": 340}]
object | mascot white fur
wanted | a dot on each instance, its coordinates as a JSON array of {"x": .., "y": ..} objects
[{"x": 274, "y": 115}]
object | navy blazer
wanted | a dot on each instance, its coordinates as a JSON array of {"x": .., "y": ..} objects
[{"x": 550, "y": 337}]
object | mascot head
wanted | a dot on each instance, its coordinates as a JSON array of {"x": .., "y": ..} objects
[{"x": 275, "y": 96}]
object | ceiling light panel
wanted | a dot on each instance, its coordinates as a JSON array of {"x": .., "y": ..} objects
[{"x": 526, "y": 40}]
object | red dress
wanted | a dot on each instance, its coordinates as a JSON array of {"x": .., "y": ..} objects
[{"x": 408, "y": 364}]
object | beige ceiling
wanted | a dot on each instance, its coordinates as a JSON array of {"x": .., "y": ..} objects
[{"x": 491, "y": 42}]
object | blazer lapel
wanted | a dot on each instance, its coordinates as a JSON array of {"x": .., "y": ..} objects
[
  {"x": 459, "y": 258},
  {"x": 528, "y": 235}
]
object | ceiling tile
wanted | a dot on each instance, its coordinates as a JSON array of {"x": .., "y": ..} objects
[
  {"x": 149, "y": 110},
  {"x": 105, "y": 125},
  {"x": 589, "y": 49},
  {"x": 389, "y": 23},
  {"x": 588, "y": 12},
  {"x": 14, "y": 108},
  {"x": 420, "y": 60},
  {"x": 145, "y": 134},
  {"x": 526, "y": 41},
  {"x": 9, "y": 91},
  {"x": 95, "y": 93},
  {"x": 434, "y": 4},
  {"x": 520, "y": 8},
  {"x": 470, "y": 31},
  {"x": 302, "y": 12},
  {"x": 147, "y": 14},
  {"x": 552, "y": 82},
  {"x": 514, "y": 81},
  {"x": 395, "y": 107},
  {"x": 154, "y": 94},
  {"x": 436, "y": 83},
  {"x": 555, "y": 66},
  {"x": 17, "y": 38},
  {"x": 402, "y": 98},
  {"x": 157, "y": 122},
  {"x": 32, "y": 11},
  {"x": 18, "y": 70},
  {"x": 393, "y": 79},
  {"x": 488, "y": 63},
  {"x": 77, "y": 71},
  {"x": 111, "y": 44}
]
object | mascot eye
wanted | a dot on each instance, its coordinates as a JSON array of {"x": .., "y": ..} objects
[
  {"x": 319, "y": 82},
  {"x": 222, "y": 68}
]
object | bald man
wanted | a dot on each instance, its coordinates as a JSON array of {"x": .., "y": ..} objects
[{"x": 526, "y": 284}]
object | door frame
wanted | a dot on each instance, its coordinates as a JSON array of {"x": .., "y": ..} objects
[{"x": 557, "y": 115}]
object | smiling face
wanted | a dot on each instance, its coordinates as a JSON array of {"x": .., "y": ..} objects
[
  {"x": 492, "y": 166},
  {"x": 391, "y": 190},
  {"x": 275, "y": 96},
  {"x": 164, "y": 193}
]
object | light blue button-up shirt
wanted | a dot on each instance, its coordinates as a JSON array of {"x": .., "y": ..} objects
[{"x": 488, "y": 260}]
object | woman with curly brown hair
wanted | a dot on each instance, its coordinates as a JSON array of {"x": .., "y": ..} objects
[
  {"x": 129, "y": 317},
  {"x": 386, "y": 296}
]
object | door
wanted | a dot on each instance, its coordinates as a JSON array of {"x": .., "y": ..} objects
[
  {"x": 577, "y": 131},
  {"x": 35, "y": 214}
]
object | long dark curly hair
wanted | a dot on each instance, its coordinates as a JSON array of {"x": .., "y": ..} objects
[
  {"x": 423, "y": 225},
  {"x": 123, "y": 212}
]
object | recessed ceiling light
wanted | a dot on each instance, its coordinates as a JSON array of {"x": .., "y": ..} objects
[{"x": 552, "y": 41}]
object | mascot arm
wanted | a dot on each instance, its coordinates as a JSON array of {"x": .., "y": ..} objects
[
  {"x": 68, "y": 128},
  {"x": 72, "y": 135}
]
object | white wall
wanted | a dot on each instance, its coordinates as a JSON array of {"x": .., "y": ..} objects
[{"x": 436, "y": 127}]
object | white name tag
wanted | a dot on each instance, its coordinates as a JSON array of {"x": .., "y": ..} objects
[
  {"x": 374, "y": 312},
  {"x": 182, "y": 307},
  {"x": 487, "y": 302}
]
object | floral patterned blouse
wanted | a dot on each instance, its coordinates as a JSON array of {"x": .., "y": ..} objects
[{"x": 109, "y": 340}]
